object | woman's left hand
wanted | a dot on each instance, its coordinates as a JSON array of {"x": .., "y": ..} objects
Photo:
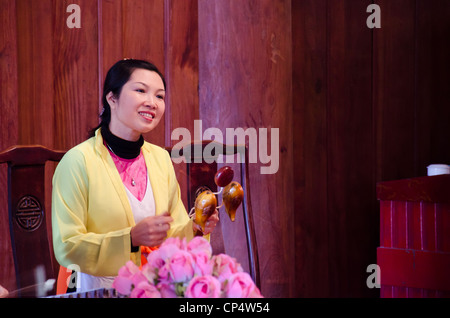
[{"x": 210, "y": 223}]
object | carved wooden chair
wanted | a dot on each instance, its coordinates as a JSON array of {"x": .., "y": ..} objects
[
  {"x": 27, "y": 214},
  {"x": 201, "y": 167}
]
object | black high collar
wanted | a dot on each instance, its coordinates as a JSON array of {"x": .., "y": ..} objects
[{"x": 122, "y": 148}]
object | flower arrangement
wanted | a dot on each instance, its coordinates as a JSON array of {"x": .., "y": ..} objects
[{"x": 181, "y": 269}]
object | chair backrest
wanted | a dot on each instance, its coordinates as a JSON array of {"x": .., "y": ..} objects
[
  {"x": 27, "y": 215},
  {"x": 201, "y": 166}
]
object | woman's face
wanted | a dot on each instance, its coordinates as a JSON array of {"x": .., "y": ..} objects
[{"x": 140, "y": 106}]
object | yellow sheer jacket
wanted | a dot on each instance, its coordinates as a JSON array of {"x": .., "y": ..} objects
[{"x": 91, "y": 214}]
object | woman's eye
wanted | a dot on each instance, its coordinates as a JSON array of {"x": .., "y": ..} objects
[
  {"x": 161, "y": 97},
  {"x": 139, "y": 90}
]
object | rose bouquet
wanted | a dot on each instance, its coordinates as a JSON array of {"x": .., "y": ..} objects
[{"x": 181, "y": 269}]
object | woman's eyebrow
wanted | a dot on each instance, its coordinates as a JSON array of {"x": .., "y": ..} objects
[{"x": 160, "y": 89}]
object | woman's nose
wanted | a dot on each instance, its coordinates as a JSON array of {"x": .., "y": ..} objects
[{"x": 151, "y": 102}]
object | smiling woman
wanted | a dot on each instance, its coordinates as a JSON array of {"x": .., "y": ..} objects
[
  {"x": 115, "y": 193},
  {"x": 140, "y": 106}
]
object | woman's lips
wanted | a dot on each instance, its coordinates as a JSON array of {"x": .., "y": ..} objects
[{"x": 147, "y": 115}]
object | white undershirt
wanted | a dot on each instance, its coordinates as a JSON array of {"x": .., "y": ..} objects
[{"x": 141, "y": 210}]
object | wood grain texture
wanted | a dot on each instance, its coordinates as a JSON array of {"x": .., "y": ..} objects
[
  {"x": 181, "y": 73},
  {"x": 110, "y": 39},
  {"x": 181, "y": 65},
  {"x": 9, "y": 128},
  {"x": 394, "y": 98},
  {"x": 75, "y": 64},
  {"x": 34, "y": 52},
  {"x": 310, "y": 147},
  {"x": 432, "y": 101},
  {"x": 350, "y": 165},
  {"x": 245, "y": 81}
]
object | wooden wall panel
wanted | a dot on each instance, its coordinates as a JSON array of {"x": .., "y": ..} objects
[
  {"x": 245, "y": 81},
  {"x": 351, "y": 212},
  {"x": 309, "y": 19},
  {"x": 75, "y": 64},
  {"x": 35, "y": 72},
  {"x": 394, "y": 85},
  {"x": 181, "y": 64},
  {"x": 181, "y": 73},
  {"x": 432, "y": 83},
  {"x": 110, "y": 34},
  {"x": 8, "y": 126}
]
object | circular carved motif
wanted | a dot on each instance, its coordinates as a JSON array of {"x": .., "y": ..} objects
[{"x": 29, "y": 214}]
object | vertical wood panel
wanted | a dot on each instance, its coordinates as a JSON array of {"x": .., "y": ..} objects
[
  {"x": 35, "y": 72},
  {"x": 385, "y": 224},
  {"x": 245, "y": 81},
  {"x": 310, "y": 146},
  {"x": 416, "y": 238},
  {"x": 75, "y": 64},
  {"x": 350, "y": 149},
  {"x": 445, "y": 227},
  {"x": 399, "y": 215},
  {"x": 432, "y": 65},
  {"x": 181, "y": 65},
  {"x": 394, "y": 90},
  {"x": 110, "y": 39},
  {"x": 181, "y": 72},
  {"x": 8, "y": 127}
]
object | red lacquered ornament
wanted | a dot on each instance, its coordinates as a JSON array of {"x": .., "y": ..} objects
[{"x": 224, "y": 176}]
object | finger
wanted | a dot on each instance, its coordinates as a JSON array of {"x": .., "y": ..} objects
[
  {"x": 214, "y": 218},
  {"x": 161, "y": 228},
  {"x": 198, "y": 227},
  {"x": 164, "y": 219}
]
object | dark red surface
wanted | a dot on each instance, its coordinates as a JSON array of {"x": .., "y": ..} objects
[{"x": 414, "y": 252}]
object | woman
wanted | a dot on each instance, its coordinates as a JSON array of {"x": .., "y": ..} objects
[{"x": 115, "y": 192}]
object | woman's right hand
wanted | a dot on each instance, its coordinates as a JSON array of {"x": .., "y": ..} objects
[{"x": 151, "y": 231}]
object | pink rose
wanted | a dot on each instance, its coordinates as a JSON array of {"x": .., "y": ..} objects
[
  {"x": 181, "y": 244},
  {"x": 241, "y": 285},
  {"x": 167, "y": 290},
  {"x": 203, "y": 287},
  {"x": 181, "y": 266},
  {"x": 123, "y": 285},
  {"x": 126, "y": 278},
  {"x": 145, "y": 290},
  {"x": 155, "y": 259},
  {"x": 203, "y": 264},
  {"x": 128, "y": 270},
  {"x": 149, "y": 272},
  {"x": 225, "y": 266},
  {"x": 168, "y": 249},
  {"x": 199, "y": 244}
]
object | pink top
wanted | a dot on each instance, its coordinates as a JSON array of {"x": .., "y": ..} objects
[{"x": 132, "y": 169}]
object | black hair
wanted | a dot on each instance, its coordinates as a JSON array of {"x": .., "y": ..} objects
[{"x": 116, "y": 77}]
